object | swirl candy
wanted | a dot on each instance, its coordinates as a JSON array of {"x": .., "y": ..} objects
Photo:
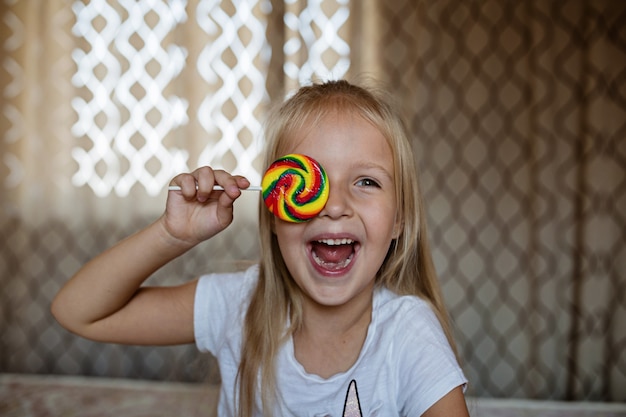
[{"x": 295, "y": 188}]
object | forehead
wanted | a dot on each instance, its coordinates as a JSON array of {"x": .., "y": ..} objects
[
  {"x": 343, "y": 141},
  {"x": 335, "y": 127}
]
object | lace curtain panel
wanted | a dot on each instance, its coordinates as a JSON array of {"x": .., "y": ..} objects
[{"x": 518, "y": 117}]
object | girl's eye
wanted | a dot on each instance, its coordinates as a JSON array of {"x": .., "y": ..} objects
[{"x": 368, "y": 182}]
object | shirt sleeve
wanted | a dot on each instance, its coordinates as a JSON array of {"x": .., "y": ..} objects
[
  {"x": 428, "y": 367},
  {"x": 219, "y": 307}
]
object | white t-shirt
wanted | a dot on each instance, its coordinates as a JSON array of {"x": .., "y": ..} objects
[{"x": 405, "y": 365}]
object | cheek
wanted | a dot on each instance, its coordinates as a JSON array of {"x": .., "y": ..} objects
[
  {"x": 289, "y": 237},
  {"x": 291, "y": 248},
  {"x": 384, "y": 219}
]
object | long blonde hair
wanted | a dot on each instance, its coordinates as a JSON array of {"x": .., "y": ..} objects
[{"x": 407, "y": 270}]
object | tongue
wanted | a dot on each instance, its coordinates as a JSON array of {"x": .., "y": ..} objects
[{"x": 332, "y": 254}]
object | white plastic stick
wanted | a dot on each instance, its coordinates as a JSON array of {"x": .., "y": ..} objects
[{"x": 218, "y": 188}]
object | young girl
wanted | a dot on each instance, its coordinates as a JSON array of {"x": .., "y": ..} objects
[{"x": 343, "y": 315}]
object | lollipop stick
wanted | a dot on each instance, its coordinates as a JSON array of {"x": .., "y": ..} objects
[{"x": 217, "y": 188}]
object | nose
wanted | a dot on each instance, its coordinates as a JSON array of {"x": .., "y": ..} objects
[{"x": 338, "y": 204}]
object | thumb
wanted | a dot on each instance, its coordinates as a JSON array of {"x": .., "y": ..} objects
[{"x": 225, "y": 205}]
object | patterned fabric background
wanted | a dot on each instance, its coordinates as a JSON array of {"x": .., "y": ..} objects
[
  {"x": 518, "y": 110},
  {"x": 520, "y": 122}
]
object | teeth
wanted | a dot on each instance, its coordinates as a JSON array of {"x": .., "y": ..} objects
[{"x": 334, "y": 242}]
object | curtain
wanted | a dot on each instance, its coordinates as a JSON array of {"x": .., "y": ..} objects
[
  {"x": 517, "y": 111},
  {"x": 519, "y": 119}
]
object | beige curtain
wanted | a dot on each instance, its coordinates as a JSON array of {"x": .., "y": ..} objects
[
  {"x": 518, "y": 115},
  {"x": 519, "y": 118}
]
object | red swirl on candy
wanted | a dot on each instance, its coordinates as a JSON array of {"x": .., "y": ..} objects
[{"x": 295, "y": 188}]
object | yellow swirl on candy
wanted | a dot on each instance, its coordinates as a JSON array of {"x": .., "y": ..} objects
[{"x": 295, "y": 188}]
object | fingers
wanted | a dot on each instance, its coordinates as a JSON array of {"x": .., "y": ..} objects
[
  {"x": 199, "y": 185},
  {"x": 241, "y": 182},
  {"x": 205, "y": 180}
]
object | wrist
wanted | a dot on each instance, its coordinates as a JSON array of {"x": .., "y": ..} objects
[{"x": 169, "y": 240}]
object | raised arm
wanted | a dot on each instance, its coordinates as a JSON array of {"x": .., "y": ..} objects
[{"x": 105, "y": 300}]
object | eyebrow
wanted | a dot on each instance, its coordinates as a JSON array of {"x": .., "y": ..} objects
[{"x": 368, "y": 165}]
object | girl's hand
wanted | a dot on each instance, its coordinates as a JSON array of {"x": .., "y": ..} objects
[{"x": 194, "y": 215}]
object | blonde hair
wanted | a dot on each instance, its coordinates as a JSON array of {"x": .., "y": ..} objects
[{"x": 407, "y": 270}]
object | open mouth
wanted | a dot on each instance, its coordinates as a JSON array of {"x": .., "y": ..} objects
[{"x": 333, "y": 254}]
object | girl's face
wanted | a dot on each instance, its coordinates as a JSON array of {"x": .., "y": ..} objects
[{"x": 334, "y": 257}]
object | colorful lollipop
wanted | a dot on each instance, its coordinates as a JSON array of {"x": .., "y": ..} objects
[{"x": 295, "y": 188}]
